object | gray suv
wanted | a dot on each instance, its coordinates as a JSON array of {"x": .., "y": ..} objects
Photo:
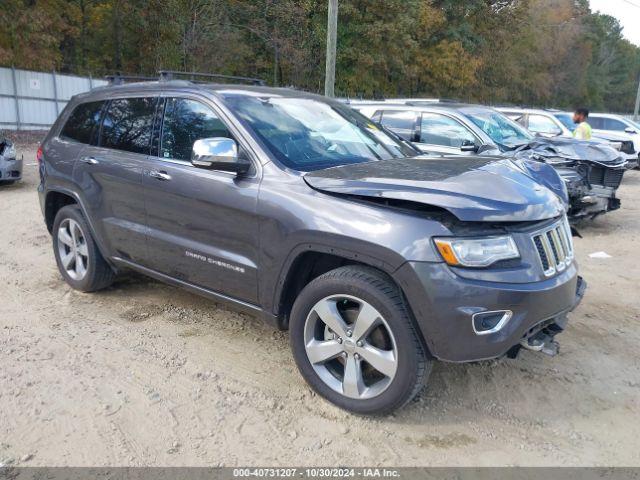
[{"x": 299, "y": 210}]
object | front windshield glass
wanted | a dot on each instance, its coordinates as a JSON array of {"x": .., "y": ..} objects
[
  {"x": 566, "y": 119},
  {"x": 635, "y": 124},
  {"x": 306, "y": 134},
  {"x": 506, "y": 133}
]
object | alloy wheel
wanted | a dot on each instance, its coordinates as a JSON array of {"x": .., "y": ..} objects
[
  {"x": 72, "y": 249},
  {"x": 350, "y": 346}
]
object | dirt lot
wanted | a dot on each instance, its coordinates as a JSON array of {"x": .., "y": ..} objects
[{"x": 146, "y": 374}]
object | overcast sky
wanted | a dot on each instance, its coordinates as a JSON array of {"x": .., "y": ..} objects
[{"x": 627, "y": 11}]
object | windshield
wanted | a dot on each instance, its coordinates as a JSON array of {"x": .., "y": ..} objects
[
  {"x": 306, "y": 134},
  {"x": 506, "y": 133},
  {"x": 566, "y": 119},
  {"x": 635, "y": 124}
]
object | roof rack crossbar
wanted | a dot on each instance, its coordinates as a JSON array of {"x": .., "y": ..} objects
[
  {"x": 169, "y": 74},
  {"x": 119, "y": 79}
]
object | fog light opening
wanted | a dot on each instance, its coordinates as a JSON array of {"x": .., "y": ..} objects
[{"x": 485, "y": 323}]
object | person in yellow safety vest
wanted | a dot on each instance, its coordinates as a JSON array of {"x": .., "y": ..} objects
[{"x": 583, "y": 129}]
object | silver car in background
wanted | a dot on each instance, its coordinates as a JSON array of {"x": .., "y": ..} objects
[
  {"x": 592, "y": 172},
  {"x": 10, "y": 165}
]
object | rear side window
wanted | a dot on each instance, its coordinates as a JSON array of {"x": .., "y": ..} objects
[
  {"x": 186, "y": 121},
  {"x": 596, "y": 122},
  {"x": 401, "y": 123},
  {"x": 128, "y": 124},
  {"x": 82, "y": 122},
  {"x": 613, "y": 124}
]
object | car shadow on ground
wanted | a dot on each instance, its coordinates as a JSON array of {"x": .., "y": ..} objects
[{"x": 507, "y": 389}]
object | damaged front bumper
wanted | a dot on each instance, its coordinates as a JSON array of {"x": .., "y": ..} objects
[
  {"x": 10, "y": 169},
  {"x": 541, "y": 337},
  {"x": 591, "y": 189},
  {"x": 446, "y": 307}
]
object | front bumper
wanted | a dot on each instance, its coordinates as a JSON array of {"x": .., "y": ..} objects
[
  {"x": 632, "y": 161},
  {"x": 588, "y": 200},
  {"x": 10, "y": 170},
  {"x": 444, "y": 303}
]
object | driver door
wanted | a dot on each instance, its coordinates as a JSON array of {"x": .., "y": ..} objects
[
  {"x": 202, "y": 224},
  {"x": 445, "y": 135}
]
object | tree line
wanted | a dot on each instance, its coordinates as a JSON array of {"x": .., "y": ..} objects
[{"x": 530, "y": 52}]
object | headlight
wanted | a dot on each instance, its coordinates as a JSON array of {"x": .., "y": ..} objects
[
  {"x": 10, "y": 153},
  {"x": 476, "y": 252}
]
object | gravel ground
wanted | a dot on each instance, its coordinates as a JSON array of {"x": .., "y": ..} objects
[{"x": 147, "y": 374}]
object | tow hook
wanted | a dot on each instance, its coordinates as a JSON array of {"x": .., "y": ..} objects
[{"x": 541, "y": 342}]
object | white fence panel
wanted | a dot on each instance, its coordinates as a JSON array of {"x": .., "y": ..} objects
[{"x": 32, "y": 100}]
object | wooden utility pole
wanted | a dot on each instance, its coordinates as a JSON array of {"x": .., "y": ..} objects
[
  {"x": 332, "y": 39},
  {"x": 635, "y": 111}
]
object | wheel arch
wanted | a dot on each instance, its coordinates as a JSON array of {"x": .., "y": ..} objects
[
  {"x": 309, "y": 261},
  {"x": 57, "y": 198},
  {"x": 54, "y": 201}
]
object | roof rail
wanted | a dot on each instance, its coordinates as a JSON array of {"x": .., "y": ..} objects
[
  {"x": 417, "y": 103},
  {"x": 119, "y": 79},
  {"x": 170, "y": 74}
]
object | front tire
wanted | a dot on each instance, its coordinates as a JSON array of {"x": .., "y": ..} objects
[
  {"x": 80, "y": 262},
  {"x": 354, "y": 342}
]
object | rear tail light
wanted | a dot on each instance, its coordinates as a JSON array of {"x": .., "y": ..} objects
[{"x": 39, "y": 156}]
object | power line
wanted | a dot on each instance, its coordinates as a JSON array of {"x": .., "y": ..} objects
[{"x": 631, "y": 3}]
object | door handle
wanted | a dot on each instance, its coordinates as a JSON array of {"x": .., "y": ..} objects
[
  {"x": 89, "y": 160},
  {"x": 164, "y": 176}
]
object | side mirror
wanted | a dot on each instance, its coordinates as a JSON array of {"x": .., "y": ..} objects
[
  {"x": 630, "y": 130},
  {"x": 468, "y": 146},
  {"x": 218, "y": 153}
]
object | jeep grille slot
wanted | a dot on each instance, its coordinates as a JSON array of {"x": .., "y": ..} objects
[{"x": 555, "y": 247}]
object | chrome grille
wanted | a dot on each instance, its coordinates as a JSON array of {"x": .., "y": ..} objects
[{"x": 555, "y": 247}]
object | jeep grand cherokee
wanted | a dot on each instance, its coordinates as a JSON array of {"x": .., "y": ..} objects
[{"x": 298, "y": 209}]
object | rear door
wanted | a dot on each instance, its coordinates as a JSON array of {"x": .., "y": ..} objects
[
  {"x": 202, "y": 224},
  {"x": 109, "y": 173}
]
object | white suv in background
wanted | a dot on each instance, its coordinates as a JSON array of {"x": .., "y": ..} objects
[
  {"x": 607, "y": 123},
  {"x": 554, "y": 123}
]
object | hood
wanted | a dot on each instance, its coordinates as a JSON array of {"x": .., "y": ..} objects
[
  {"x": 612, "y": 136},
  {"x": 556, "y": 149},
  {"x": 473, "y": 188}
]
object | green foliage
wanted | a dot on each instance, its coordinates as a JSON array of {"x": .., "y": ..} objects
[{"x": 535, "y": 52}]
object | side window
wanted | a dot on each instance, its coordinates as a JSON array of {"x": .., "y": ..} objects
[
  {"x": 401, "y": 123},
  {"x": 596, "y": 122},
  {"x": 542, "y": 124},
  {"x": 128, "y": 123},
  {"x": 613, "y": 124},
  {"x": 515, "y": 116},
  {"x": 186, "y": 121},
  {"x": 437, "y": 129},
  {"x": 82, "y": 122}
]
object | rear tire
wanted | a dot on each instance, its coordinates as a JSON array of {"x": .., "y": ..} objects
[
  {"x": 354, "y": 341},
  {"x": 80, "y": 262}
]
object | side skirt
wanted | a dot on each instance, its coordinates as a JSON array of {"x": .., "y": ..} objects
[{"x": 239, "y": 305}]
